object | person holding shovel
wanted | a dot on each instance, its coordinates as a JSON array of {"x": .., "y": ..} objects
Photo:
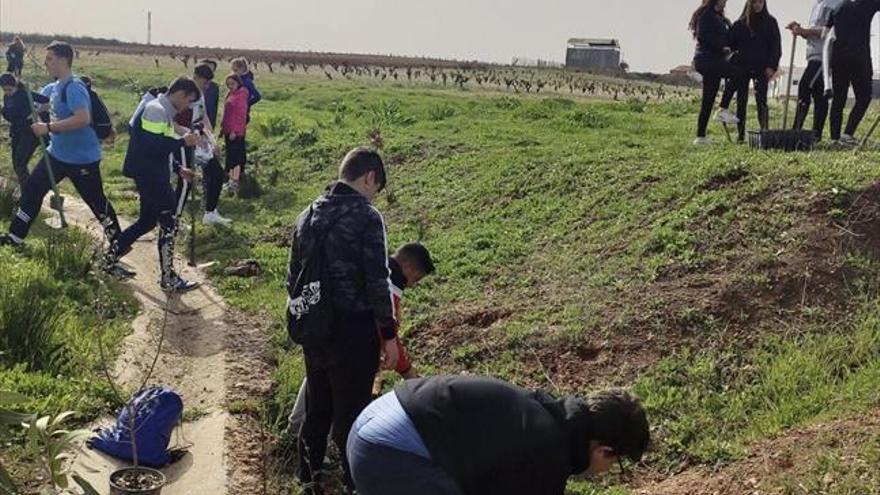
[
  {"x": 149, "y": 159},
  {"x": 74, "y": 151},
  {"x": 851, "y": 66},
  {"x": 811, "y": 87},
  {"x": 757, "y": 49},
  {"x": 473, "y": 435},
  {"x": 18, "y": 112},
  {"x": 711, "y": 30}
]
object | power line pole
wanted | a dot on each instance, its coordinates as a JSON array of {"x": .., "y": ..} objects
[{"x": 149, "y": 28}]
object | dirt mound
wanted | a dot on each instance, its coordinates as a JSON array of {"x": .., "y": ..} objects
[
  {"x": 730, "y": 302},
  {"x": 793, "y": 456}
]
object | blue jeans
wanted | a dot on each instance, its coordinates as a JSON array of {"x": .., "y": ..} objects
[{"x": 380, "y": 470}]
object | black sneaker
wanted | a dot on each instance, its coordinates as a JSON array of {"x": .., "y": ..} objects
[
  {"x": 7, "y": 240},
  {"x": 119, "y": 270}
]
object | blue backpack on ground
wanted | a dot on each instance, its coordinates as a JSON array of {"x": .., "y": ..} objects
[{"x": 157, "y": 412}]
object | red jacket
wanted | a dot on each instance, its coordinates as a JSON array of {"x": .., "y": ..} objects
[{"x": 235, "y": 113}]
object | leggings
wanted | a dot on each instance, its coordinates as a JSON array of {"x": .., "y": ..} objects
[
  {"x": 847, "y": 71},
  {"x": 812, "y": 88},
  {"x": 87, "y": 181},
  {"x": 213, "y": 179},
  {"x": 741, "y": 88},
  {"x": 713, "y": 71}
]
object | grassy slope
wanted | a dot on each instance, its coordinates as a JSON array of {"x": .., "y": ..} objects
[{"x": 579, "y": 244}]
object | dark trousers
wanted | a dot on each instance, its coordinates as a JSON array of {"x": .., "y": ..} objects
[
  {"x": 713, "y": 71},
  {"x": 740, "y": 87},
  {"x": 87, "y": 181},
  {"x": 850, "y": 71},
  {"x": 24, "y": 144},
  {"x": 339, "y": 386},
  {"x": 158, "y": 205},
  {"x": 812, "y": 89},
  {"x": 213, "y": 178},
  {"x": 380, "y": 470}
]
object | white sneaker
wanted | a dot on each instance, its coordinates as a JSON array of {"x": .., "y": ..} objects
[
  {"x": 214, "y": 218},
  {"x": 848, "y": 140},
  {"x": 702, "y": 141},
  {"x": 725, "y": 116}
]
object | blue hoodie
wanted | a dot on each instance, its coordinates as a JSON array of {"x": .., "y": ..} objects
[{"x": 254, "y": 95}]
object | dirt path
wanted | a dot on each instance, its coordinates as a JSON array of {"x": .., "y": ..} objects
[{"x": 208, "y": 350}]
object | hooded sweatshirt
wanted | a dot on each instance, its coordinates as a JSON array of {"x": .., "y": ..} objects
[
  {"x": 356, "y": 255},
  {"x": 757, "y": 47},
  {"x": 495, "y": 438}
]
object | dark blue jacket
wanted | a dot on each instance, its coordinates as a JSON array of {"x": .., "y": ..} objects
[
  {"x": 254, "y": 95},
  {"x": 147, "y": 156},
  {"x": 17, "y": 111}
]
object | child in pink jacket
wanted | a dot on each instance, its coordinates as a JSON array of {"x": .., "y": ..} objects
[{"x": 234, "y": 128}]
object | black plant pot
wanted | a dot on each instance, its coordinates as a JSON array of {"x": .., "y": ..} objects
[{"x": 136, "y": 481}]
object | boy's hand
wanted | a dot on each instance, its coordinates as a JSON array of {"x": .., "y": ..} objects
[
  {"x": 793, "y": 26},
  {"x": 40, "y": 129},
  {"x": 186, "y": 174},
  {"x": 389, "y": 354},
  {"x": 232, "y": 136},
  {"x": 190, "y": 139}
]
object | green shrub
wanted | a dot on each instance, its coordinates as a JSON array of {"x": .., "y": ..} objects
[
  {"x": 275, "y": 126},
  {"x": 68, "y": 255},
  {"x": 588, "y": 118},
  {"x": 30, "y": 325},
  {"x": 441, "y": 112},
  {"x": 388, "y": 113}
]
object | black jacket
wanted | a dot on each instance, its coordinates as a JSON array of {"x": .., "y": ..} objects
[
  {"x": 852, "y": 25},
  {"x": 758, "y": 47},
  {"x": 212, "y": 98},
  {"x": 712, "y": 36},
  {"x": 356, "y": 254},
  {"x": 17, "y": 111},
  {"x": 496, "y": 438}
]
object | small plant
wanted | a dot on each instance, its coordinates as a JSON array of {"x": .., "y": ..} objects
[
  {"x": 49, "y": 441},
  {"x": 389, "y": 113},
  {"x": 441, "y": 112},
  {"x": 275, "y": 126},
  {"x": 588, "y": 118}
]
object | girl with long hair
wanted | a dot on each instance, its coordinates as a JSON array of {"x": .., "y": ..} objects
[{"x": 711, "y": 30}]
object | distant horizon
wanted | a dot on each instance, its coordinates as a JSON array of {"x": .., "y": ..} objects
[{"x": 653, "y": 35}]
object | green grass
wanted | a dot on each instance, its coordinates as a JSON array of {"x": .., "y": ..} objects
[
  {"x": 49, "y": 331},
  {"x": 574, "y": 217}
]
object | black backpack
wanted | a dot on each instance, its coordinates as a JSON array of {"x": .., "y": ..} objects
[
  {"x": 310, "y": 312},
  {"x": 101, "y": 122}
]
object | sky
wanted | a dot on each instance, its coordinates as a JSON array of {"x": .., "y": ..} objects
[{"x": 652, "y": 33}]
